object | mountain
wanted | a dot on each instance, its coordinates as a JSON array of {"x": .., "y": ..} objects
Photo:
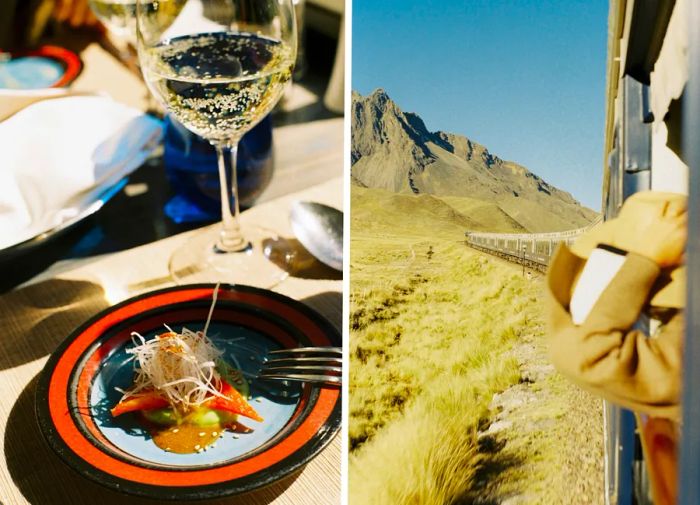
[{"x": 393, "y": 150}]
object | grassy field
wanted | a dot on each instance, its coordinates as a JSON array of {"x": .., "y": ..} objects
[
  {"x": 432, "y": 322},
  {"x": 437, "y": 330}
]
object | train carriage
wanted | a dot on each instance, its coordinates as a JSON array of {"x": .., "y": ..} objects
[{"x": 532, "y": 250}]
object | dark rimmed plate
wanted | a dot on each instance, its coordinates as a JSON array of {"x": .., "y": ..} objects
[{"x": 76, "y": 390}]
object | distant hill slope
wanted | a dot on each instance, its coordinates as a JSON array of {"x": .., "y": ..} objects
[
  {"x": 393, "y": 150},
  {"x": 380, "y": 211}
]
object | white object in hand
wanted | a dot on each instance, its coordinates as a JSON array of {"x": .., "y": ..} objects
[{"x": 599, "y": 270}]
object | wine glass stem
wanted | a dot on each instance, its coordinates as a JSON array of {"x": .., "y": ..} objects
[{"x": 231, "y": 238}]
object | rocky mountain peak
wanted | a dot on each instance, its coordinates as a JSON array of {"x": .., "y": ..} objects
[
  {"x": 379, "y": 95},
  {"x": 394, "y": 150}
]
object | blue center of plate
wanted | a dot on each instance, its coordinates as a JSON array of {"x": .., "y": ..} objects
[
  {"x": 244, "y": 349},
  {"x": 30, "y": 72}
]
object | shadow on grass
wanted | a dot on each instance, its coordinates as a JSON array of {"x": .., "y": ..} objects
[{"x": 490, "y": 473}]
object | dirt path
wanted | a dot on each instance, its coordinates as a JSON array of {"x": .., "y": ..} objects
[{"x": 544, "y": 441}]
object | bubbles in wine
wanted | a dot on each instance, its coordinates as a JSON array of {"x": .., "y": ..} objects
[{"x": 219, "y": 85}]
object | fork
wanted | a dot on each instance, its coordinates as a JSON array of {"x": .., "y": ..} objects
[{"x": 305, "y": 364}]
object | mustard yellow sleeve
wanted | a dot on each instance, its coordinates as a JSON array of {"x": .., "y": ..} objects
[{"x": 605, "y": 354}]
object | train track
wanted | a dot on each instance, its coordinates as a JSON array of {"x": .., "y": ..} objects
[{"x": 532, "y": 250}]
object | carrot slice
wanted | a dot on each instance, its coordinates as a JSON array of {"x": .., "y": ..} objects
[
  {"x": 145, "y": 401},
  {"x": 234, "y": 402}
]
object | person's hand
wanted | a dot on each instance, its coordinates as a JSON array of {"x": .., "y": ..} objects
[
  {"x": 661, "y": 239},
  {"x": 77, "y": 13}
]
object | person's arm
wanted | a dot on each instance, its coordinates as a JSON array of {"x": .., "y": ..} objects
[{"x": 604, "y": 354}]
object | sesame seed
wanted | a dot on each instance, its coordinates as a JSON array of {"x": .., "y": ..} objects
[
  {"x": 258, "y": 399},
  {"x": 235, "y": 436},
  {"x": 214, "y": 433},
  {"x": 167, "y": 449},
  {"x": 202, "y": 433},
  {"x": 197, "y": 447},
  {"x": 175, "y": 430}
]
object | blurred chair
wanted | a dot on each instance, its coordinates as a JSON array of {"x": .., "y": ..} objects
[{"x": 328, "y": 17}]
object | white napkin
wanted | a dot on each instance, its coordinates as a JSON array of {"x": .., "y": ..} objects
[{"x": 58, "y": 156}]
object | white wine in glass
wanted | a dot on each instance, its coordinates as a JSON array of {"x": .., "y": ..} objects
[
  {"x": 219, "y": 67},
  {"x": 119, "y": 16},
  {"x": 219, "y": 84}
]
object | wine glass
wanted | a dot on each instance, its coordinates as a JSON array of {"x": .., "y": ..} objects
[
  {"x": 219, "y": 67},
  {"x": 119, "y": 16}
]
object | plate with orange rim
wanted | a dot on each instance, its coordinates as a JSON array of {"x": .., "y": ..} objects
[{"x": 82, "y": 378}]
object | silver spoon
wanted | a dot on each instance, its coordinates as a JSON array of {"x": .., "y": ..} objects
[{"x": 319, "y": 228}]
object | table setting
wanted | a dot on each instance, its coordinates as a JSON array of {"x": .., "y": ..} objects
[{"x": 97, "y": 275}]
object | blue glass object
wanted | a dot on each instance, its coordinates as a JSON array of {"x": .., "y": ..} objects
[{"x": 191, "y": 168}]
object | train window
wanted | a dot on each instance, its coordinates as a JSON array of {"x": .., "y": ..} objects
[
  {"x": 636, "y": 137},
  {"x": 614, "y": 192}
]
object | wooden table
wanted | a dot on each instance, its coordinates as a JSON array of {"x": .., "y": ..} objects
[{"x": 36, "y": 316}]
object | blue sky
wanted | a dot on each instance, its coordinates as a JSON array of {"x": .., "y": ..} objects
[{"x": 524, "y": 78}]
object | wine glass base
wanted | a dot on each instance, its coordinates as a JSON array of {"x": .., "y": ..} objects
[{"x": 199, "y": 260}]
